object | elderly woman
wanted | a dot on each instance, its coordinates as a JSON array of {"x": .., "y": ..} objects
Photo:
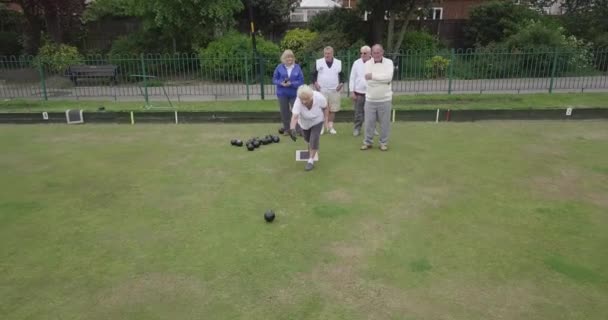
[
  {"x": 309, "y": 112},
  {"x": 287, "y": 77}
]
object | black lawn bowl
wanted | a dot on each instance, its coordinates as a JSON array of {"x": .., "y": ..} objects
[
  {"x": 233, "y": 142},
  {"x": 281, "y": 130},
  {"x": 276, "y": 139},
  {"x": 239, "y": 143},
  {"x": 269, "y": 215},
  {"x": 256, "y": 143},
  {"x": 250, "y": 147}
]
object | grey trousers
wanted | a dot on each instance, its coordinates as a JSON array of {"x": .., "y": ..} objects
[
  {"x": 312, "y": 136},
  {"x": 285, "y": 104},
  {"x": 359, "y": 108},
  {"x": 380, "y": 112}
]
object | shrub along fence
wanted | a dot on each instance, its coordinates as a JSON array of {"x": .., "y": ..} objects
[{"x": 245, "y": 76}]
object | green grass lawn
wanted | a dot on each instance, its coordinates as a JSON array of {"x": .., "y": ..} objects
[
  {"x": 402, "y": 102},
  {"x": 487, "y": 220}
]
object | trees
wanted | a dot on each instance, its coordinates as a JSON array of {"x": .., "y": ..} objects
[
  {"x": 587, "y": 19},
  {"x": 269, "y": 15},
  {"x": 496, "y": 20},
  {"x": 344, "y": 21},
  {"x": 397, "y": 12},
  {"x": 60, "y": 17},
  {"x": 11, "y": 23},
  {"x": 189, "y": 23}
]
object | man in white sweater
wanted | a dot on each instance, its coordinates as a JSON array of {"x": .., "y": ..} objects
[
  {"x": 378, "y": 97},
  {"x": 358, "y": 86}
]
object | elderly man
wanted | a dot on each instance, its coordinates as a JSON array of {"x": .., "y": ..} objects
[
  {"x": 309, "y": 111},
  {"x": 328, "y": 78},
  {"x": 378, "y": 97},
  {"x": 358, "y": 86}
]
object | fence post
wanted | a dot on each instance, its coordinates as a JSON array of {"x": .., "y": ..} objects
[
  {"x": 145, "y": 78},
  {"x": 349, "y": 65},
  {"x": 451, "y": 66},
  {"x": 261, "y": 76},
  {"x": 42, "y": 79},
  {"x": 553, "y": 67},
  {"x": 246, "y": 78}
]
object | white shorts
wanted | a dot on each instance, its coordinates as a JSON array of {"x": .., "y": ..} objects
[{"x": 333, "y": 99}]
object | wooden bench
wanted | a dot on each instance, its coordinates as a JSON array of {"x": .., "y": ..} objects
[{"x": 92, "y": 71}]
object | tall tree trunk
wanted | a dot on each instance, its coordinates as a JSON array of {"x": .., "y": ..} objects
[
  {"x": 378, "y": 25},
  {"x": 31, "y": 36},
  {"x": 391, "y": 33},
  {"x": 406, "y": 16},
  {"x": 397, "y": 46},
  {"x": 53, "y": 23}
]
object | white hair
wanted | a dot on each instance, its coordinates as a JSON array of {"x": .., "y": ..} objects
[
  {"x": 366, "y": 49},
  {"x": 305, "y": 91}
]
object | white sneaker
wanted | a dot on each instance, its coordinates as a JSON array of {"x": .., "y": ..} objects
[{"x": 333, "y": 131}]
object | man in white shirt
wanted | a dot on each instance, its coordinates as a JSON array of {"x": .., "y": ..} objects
[
  {"x": 358, "y": 86},
  {"x": 309, "y": 111},
  {"x": 378, "y": 97},
  {"x": 328, "y": 78}
]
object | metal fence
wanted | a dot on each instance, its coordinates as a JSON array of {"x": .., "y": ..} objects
[{"x": 194, "y": 77}]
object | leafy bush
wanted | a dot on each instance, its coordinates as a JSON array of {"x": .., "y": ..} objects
[
  {"x": 601, "y": 41},
  {"x": 572, "y": 54},
  {"x": 600, "y": 46},
  {"x": 577, "y": 56},
  {"x": 126, "y": 52},
  {"x": 126, "y": 46},
  {"x": 534, "y": 34},
  {"x": 534, "y": 49},
  {"x": 58, "y": 57},
  {"x": 346, "y": 22},
  {"x": 437, "y": 67},
  {"x": 229, "y": 58},
  {"x": 420, "y": 41},
  {"x": 417, "y": 48},
  {"x": 139, "y": 42},
  {"x": 335, "y": 39},
  {"x": 297, "y": 40}
]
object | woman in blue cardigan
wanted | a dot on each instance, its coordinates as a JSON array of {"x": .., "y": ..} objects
[{"x": 287, "y": 77}]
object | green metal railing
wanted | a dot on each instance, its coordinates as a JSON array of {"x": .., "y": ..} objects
[{"x": 194, "y": 77}]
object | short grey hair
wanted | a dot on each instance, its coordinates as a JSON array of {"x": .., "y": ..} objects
[
  {"x": 378, "y": 46},
  {"x": 328, "y": 48},
  {"x": 305, "y": 91},
  {"x": 366, "y": 49}
]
